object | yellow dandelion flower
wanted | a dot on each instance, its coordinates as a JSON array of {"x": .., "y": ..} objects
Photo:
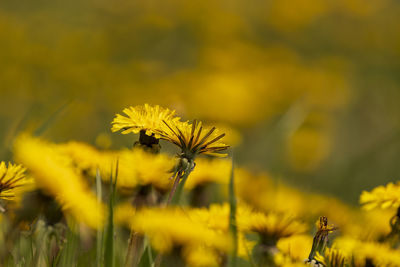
[
  {"x": 275, "y": 225},
  {"x": 194, "y": 139},
  {"x": 169, "y": 227},
  {"x": 136, "y": 167},
  {"x": 145, "y": 168},
  {"x": 382, "y": 196},
  {"x": 123, "y": 213},
  {"x": 147, "y": 118},
  {"x": 361, "y": 252},
  {"x": 87, "y": 158},
  {"x": 12, "y": 177},
  {"x": 199, "y": 256},
  {"x": 331, "y": 258},
  {"x": 206, "y": 256},
  {"x": 216, "y": 217},
  {"x": 294, "y": 248},
  {"x": 209, "y": 171},
  {"x": 56, "y": 176},
  {"x": 272, "y": 224}
]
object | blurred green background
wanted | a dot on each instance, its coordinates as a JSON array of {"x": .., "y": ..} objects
[{"x": 312, "y": 85}]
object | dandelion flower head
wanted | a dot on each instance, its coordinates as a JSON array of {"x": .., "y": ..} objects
[
  {"x": 194, "y": 139},
  {"x": 275, "y": 225},
  {"x": 55, "y": 175},
  {"x": 171, "y": 227},
  {"x": 147, "y": 118},
  {"x": 11, "y": 178},
  {"x": 292, "y": 249}
]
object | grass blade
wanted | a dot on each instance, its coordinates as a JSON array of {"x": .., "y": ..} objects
[
  {"x": 232, "y": 260},
  {"x": 99, "y": 232},
  {"x": 109, "y": 235},
  {"x": 51, "y": 119}
]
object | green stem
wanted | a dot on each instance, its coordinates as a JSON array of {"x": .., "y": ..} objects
[
  {"x": 173, "y": 189},
  {"x": 176, "y": 197},
  {"x": 99, "y": 231}
]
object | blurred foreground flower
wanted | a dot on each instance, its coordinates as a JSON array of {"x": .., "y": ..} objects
[
  {"x": 136, "y": 167},
  {"x": 172, "y": 227},
  {"x": 382, "y": 196},
  {"x": 273, "y": 226},
  {"x": 55, "y": 175},
  {"x": 292, "y": 249},
  {"x": 365, "y": 254},
  {"x": 12, "y": 177}
]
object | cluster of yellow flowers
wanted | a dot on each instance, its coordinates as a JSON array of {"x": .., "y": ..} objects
[
  {"x": 160, "y": 123},
  {"x": 274, "y": 222}
]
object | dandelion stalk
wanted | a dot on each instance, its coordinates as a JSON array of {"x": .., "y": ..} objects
[
  {"x": 181, "y": 185},
  {"x": 173, "y": 189}
]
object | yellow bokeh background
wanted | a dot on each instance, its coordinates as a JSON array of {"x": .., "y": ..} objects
[{"x": 309, "y": 88}]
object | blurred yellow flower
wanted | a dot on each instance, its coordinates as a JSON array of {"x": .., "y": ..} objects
[
  {"x": 217, "y": 216},
  {"x": 271, "y": 225},
  {"x": 12, "y": 177},
  {"x": 123, "y": 213},
  {"x": 274, "y": 225},
  {"x": 307, "y": 148},
  {"x": 209, "y": 171},
  {"x": 136, "y": 167},
  {"x": 55, "y": 175},
  {"x": 171, "y": 227},
  {"x": 143, "y": 118},
  {"x": 382, "y": 196},
  {"x": 379, "y": 254},
  {"x": 293, "y": 249},
  {"x": 199, "y": 256}
]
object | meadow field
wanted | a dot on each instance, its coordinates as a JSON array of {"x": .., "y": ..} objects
[{"x": 200, "y": 133}]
